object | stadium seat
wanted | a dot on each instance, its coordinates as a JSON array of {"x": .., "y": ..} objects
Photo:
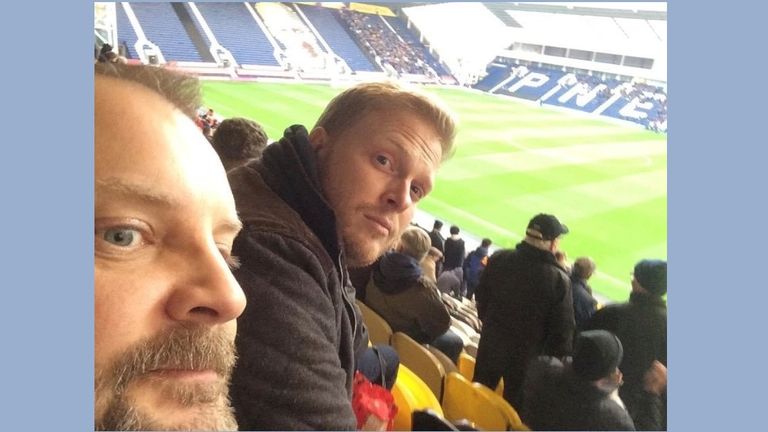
[
  {"x": 444, "y": 360},
  {"x": 411, "y": 394},
  {"x": 418, "y": 359},
  {"x": 428, "y": 420},
  {"x": 471, "y": 349},
  {"x": 466, "y": 366},
  {"x": 378, "y": 330},
  {"x": 462, "y": 400},
  {"x": 508, "y": 411}
]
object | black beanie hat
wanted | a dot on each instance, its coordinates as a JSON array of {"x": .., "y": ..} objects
[
  {"x": 597, "y": 354},
  {"x": 652, "y": 275}
]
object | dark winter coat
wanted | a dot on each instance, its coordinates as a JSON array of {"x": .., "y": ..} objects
[
  {"x": 524, "y": 300},
  {"x": 406, "y": 299},
  {"x": 584, "y": 304},
  {"x": 557, "y": 399},
  {"x": 641, "y": 325},
  {"x": 454, "y": 253},
  {"x": 298, "y": 337}
]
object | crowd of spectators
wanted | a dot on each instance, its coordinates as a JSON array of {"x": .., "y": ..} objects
[{"x": 383, "y": 45}]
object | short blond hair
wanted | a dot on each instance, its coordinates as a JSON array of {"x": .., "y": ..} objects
[
  {"x": 354, "y": 103},
  {"x": 415, "y": 243}
]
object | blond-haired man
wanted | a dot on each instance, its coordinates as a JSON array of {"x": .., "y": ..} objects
[{"x": 316, "y": 203}]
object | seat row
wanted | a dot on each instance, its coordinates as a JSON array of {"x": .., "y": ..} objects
[{"x": 428, "y": 379}]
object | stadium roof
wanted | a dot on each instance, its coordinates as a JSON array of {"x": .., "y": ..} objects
[{"x": 638, "y": 10}]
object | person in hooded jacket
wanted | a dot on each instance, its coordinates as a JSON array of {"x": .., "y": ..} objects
[{"x": 409, "y": 301}]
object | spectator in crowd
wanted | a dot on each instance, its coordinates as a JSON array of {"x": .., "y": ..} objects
[
  {"x": 450, "y": 282},
  {"x": 584, "y": 305},
  {"x": 454, "y": 250},
  {"x": 238, "y": 140},
  {"x": 429, "y": 263},
  {"x": 524, "y": 300},
  {"x": 581, "y": 393},
  {"x": 408, "y": 301},
  {"x": 165, "y": 220},
  {"x": 641, "y": 325},
  {"x": 210, "y": 118},
  {"x": 474, "y": 265},
  {"x": 438, "y": 241},
  {"x": 353, "y": 185}
]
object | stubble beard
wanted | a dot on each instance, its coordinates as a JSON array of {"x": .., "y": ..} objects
[{"x": 185, "y": 349}]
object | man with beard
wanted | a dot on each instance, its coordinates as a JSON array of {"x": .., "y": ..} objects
[
  {"x": 314, "y": 204},
  {"x": 165, "y": 298}
]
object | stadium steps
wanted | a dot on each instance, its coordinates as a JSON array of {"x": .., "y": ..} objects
[
  {"x": 236, "y": 30},
  {"x": 496, "y": 74},
  {"x": 337, "y": 37},
  {"x": 195, "y": 33},
  {"x": 163, "y": 27},
  {"x": 125, "y": 32}
]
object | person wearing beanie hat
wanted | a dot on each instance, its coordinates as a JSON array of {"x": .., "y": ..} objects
[
  {"x": 579, "y": 393},
  {"x": 525, "y": 302},
  {"x": 641, "y": 325},
  {"x": 651, "y": 276}
]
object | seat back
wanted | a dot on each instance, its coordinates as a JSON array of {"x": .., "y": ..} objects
[
  {"x": 428, "y": 420},
  {"x": 448, "y": 364},
  {"x": 462, "y": 400},
  {"x": 411, "y": 394},
  {"x": 508, "y": 411},
  {"x": 379, "y": 330},
  {"x": 420, "y": 361},
  {"x": 466, "y": 365}
]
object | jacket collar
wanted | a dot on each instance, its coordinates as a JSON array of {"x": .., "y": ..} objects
[
  {"x": 536, "y": 253},
  {"x": 644, "y": 299},
  {"x": 289, "y": 168}
]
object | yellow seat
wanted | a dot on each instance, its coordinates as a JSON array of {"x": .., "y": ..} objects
[
  {"x": 508, "y": 411},
  {"x": 444, "y": 360},
  {"x": 420, "y": 361},
  {"x": 461, "y": 400},
  {"x": 411, "y": 394},
  {"x": 466, "y": 365},
  {"x": 379, "y": 330}
]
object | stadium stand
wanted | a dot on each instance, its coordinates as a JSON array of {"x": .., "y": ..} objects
[
  {"x": 337, "y": 38},
  {"x": 125, "y": 32},
  {"x": 636, "y": 102},
  {"x": 300, "y": 44},
  {"x": 163, "y": 27},
  {"x": 411, "y": 39},
  {"x": 236, "y": 30}
]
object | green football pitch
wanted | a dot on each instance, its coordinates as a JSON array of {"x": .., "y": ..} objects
[{"x": 606, "y": 181}]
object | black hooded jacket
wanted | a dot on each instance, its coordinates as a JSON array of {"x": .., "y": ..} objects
[{"x": 298, "y": 337}]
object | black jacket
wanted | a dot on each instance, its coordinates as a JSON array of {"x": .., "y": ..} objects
[
  {"x": 641, "y": 325},
  {"x": 524, "y": 300},
  {"x": 454, "y": 253},
  {"x": 300, "y": 331},
  {"x": 584, "y": 304},
  {"x": 557, "y": 399}
]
